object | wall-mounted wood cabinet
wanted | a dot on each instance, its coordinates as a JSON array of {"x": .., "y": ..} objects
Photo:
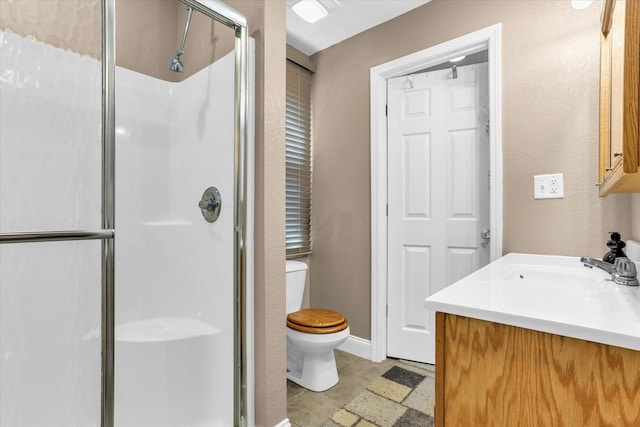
[{"x": 620, "y": 97}]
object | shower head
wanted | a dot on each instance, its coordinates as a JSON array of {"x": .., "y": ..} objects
[{"x": 176, "y": 65}]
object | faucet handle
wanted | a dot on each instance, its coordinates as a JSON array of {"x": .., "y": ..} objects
[{"x": 625, "y": 272}]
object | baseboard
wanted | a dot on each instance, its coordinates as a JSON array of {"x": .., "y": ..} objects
[
  {"x": 358, "y": 346},
  {"x": 283, "y": 423}
]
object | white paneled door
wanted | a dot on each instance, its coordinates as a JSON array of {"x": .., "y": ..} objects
[{"x": 438, "y": 196}]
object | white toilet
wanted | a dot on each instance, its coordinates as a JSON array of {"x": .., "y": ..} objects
[{"x": 312, "y": 335}]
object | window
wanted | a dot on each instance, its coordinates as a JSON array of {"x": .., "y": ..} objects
[{"x": 298, "y": 148}]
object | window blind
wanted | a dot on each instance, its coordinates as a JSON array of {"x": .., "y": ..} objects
[{"x": 298, "y": 159}]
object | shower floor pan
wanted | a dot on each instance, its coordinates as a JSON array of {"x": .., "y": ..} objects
[{"x": 168, "y": 374}]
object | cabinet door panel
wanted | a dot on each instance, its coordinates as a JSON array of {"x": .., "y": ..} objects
[{"x": 619, "y": 98}]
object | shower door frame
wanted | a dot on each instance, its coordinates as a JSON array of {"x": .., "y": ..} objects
[
  {"x": 235, "y": 20},
  {"x": 242, "y": 240}
]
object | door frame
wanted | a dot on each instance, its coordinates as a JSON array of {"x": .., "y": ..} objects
[{"x": 489, "y": 38}]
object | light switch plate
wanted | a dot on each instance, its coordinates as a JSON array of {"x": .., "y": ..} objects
[{"x": 549, "y": 186}]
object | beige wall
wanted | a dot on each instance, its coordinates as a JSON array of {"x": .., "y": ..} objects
[
  {"x": 146, "y": 34},
  {"x": 550, "y": 124},
  {"x": 67, "y": 24},
  {"x": 149, "y": 32}
]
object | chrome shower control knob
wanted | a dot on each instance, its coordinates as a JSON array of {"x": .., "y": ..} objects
[{"x": 210, "y": 204}]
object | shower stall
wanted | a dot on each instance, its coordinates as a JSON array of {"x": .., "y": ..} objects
[{"x": 126, "y": 214}]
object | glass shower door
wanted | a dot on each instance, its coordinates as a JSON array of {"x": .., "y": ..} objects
[
  {"x": 174, "y": 340},
  {"x": 50, "y": 181}
]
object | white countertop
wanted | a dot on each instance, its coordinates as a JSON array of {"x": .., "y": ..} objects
[{"x": 546, "y": 293}]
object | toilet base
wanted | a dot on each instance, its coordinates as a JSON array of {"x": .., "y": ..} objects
[{"x": 313, "y": 371}]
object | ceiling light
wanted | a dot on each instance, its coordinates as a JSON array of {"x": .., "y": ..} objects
[
  {"x": 458, "y": 58},
  {"x": 581, "y": 4},
  {"x": 310, "y": 10}
]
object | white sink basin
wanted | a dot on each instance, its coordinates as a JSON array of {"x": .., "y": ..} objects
[
  {"x": 547, "y": 293},
  {"x": 580, "y": 280}
]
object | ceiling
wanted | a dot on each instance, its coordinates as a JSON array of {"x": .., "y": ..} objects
[{"x": 351, "y": 18}]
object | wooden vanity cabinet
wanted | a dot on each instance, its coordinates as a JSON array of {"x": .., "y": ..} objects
[
  {"x": 620, "y": 97},
  {"x": 491, "y": 374}
]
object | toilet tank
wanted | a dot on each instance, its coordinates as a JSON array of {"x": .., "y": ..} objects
[{"x": 296, "y": 279}]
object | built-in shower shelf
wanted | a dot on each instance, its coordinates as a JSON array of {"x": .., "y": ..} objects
[
  {"x": 166, "y": 223},
  {"x": 163, "y": 329},
  {"x": 168, "y": 373}
]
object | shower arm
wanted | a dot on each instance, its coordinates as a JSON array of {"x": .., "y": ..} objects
[{"x": 186, "y": 30}]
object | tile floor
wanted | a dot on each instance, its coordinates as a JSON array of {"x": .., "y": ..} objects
[{"x": 310, "y": 409}]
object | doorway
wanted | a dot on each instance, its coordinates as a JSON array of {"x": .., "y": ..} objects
[
  {"x": 438, "y": 196},
  {"x": 487, "y": 39}
]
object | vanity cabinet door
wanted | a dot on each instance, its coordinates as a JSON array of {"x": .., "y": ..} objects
[
  {"x": 492, "y": 374},
  {"x": 619, "y": 97}
]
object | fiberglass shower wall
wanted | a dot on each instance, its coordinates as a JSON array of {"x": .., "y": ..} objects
[
  {"x": 174, "y": 270},
  {"x": 50, "y": 180}
]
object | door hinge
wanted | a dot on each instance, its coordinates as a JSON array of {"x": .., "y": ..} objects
[
  {"x": 387, "y": 210},
  {"x": 386, "y": 110},
  {"x": 387, "y": 311}
]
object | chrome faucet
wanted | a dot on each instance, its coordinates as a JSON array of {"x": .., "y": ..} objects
[{"x": 623, "y": 270}]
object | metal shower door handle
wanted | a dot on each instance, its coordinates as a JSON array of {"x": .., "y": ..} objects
[{"x": 210, "y": 204}]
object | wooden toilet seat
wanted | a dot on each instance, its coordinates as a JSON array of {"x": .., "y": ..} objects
[{"x": 317, "y": 321}]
